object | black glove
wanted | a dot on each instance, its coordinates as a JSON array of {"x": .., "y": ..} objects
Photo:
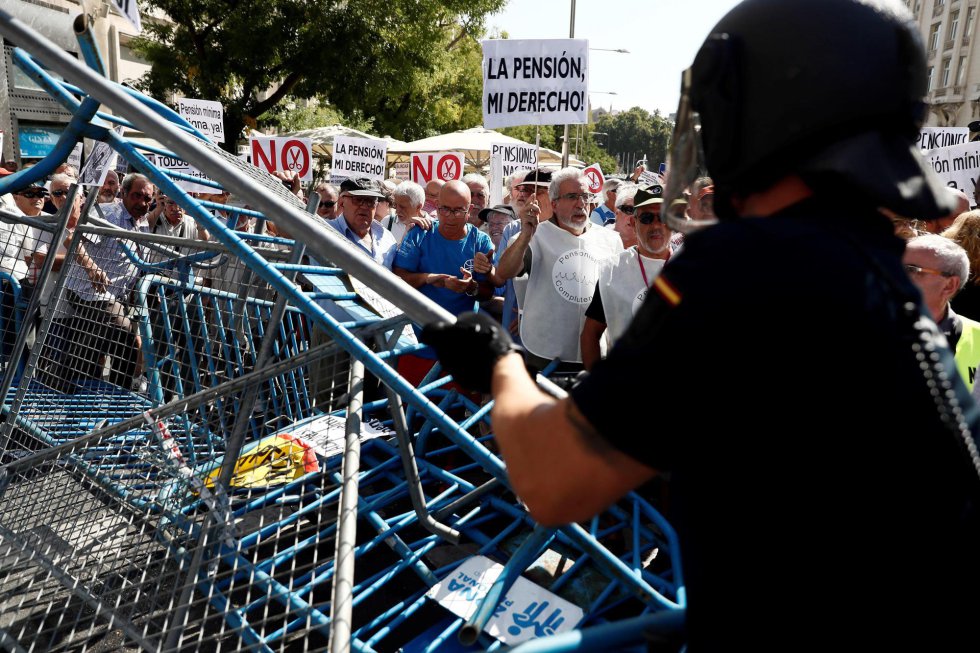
[{"x": 470, "y": 348}]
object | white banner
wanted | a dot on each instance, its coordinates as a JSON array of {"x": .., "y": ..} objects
[
  {"x": 174, "y": 164},
  {"x": 934, "y": 138},
  {"x": 436, "y": 165},
  {"x": 283, "y": 154},
  {"x": 958, "y": 166},
  {"x": 100, "y": 161},
  {"x": 206, "y": 116},
  {"x": 358, "y": 157},
  {"x": 535, "y": 82},
  {"x": 131, "y": 12}
]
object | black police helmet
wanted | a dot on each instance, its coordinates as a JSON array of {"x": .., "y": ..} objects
[{"x": 829, "y": 89}]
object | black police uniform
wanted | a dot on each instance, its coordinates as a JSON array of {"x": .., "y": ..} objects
[{"x": 820, "y": 502}]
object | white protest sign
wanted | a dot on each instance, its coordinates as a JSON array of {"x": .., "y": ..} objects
[
  {"x": 596, "y": 179},
  {"x": 174, "y": 164},
  {"x": 934, "y": 138},
  {"x": 647, "y": 178},
  {"x": 526, "y": 611},
  {"x": 206, "y": 116},
  {"x": 74, "y": 158},
  {"x": 131, "y": 12},
  {"x": 436, "y": 165},
  {"x": 497, "y": 178},
  {"x": 384, "y": 308},
  {"x": 283, "y": 153},
  {"x": 957, "y": 166},
  {"x": 535, "y": 82},
  {"x": 358, "y": 157},
  {"x": 515, "y": 156},
  {"x": 101, "y": 160}
]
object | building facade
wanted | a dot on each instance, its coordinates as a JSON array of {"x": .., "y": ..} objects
[
  {"x": 30, "y": 120},
  {"x": 948, "y": 29}
]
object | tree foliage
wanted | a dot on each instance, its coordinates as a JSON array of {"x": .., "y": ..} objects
[
  {"x": 636, "y": 131},
  {"x": 393, "y": 60}
]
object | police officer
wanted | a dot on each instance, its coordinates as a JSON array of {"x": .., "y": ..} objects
[{"x": 824, "y": 475}]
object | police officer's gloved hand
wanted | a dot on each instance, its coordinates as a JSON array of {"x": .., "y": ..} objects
[{"x": 470, "y": 348}]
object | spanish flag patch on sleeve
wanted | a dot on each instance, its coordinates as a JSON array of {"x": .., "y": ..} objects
[{"x": 666, "y": 290}]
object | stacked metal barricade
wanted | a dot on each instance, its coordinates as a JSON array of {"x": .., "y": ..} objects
[{"x": 277, "y": 486}]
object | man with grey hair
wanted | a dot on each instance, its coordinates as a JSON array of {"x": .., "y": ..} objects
[
  {"x": 480, "y": 193},
  {"x": 939, "y": 268},
  {"x": 623, "y": 222},
  {"x": 561, "y": 257},
  {"x": 408, "y": 198},
  {"x": 98, "y": 287},
  {"x": 327, "y": 208},
  {"x": 606, "y": 211}
]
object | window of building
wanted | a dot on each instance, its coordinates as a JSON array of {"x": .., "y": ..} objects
[
  {"x": 954, "y": 23},
  {"x": 961, "y": 71},
  {"x": 929, "y": 77},
  {"x": 934, "y": 37},
  {"x": 971, "y": 13},
  {"x": 947, "y": 65}
]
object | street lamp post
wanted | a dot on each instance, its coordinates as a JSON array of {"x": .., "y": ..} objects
[{"x": 564, "y": 143}]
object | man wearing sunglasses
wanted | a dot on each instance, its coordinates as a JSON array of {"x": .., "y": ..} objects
[
  {"x": 624, "y": 280},
  {"x": 939, "y": 267},
  {"x": 327, "y": 207}
]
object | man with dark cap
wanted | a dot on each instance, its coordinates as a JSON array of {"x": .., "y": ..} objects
[
  {"x": 357, "y": 221},
  {"x": 826, "y": 494}
]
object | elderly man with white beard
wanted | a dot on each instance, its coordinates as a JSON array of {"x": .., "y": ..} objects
[{"x": 561, "y": 257}]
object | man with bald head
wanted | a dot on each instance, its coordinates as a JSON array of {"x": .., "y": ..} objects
[{"x": 449, "y": 264}]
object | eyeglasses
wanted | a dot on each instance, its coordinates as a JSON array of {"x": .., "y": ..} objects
[
  {"x": 34, "y": 194},
  {"x": 59, "y": 193},
  {"x": 141, "y": 196},
  {"x": 327, "y": 205},
  {"x": 648, "y": 218},
  {"x": 915, "y": 269},
  {"x": 576, "y": 197},
  {"x": 628, "y": 209},
  {"x": 532, "y": 190},
  {"x": 364, "y": 200},
  {"x": 445, "y": 210}
]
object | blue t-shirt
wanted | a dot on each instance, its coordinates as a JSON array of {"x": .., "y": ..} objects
[{"x": 428, "y": 251}]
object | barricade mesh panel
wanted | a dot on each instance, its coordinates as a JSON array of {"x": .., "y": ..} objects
[{"x": 175, "y": 458}]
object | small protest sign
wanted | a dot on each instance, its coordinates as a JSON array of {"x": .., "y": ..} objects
[
  {"x": 283, "y": 153},
  {"x": 206, "y": 116},
  {"x": 515, "y": 156},
  {"x": 535, "y": 82},
  {"x": 957, "y": 166},
  {"x": 596, "y": 179},
  {"x": 131, "y": 12},
  {"x": 403, "y": 170},
  {"x": 526, "y": 611},
  {"x": 436, "y": 165},
  {"x": 934, "y": 138},
  {"x": 175, "y": 164},
  {"x": 75, "y": 157},
  {"x": 101, "y": 160},
  {"x": 358, "y": 157}
]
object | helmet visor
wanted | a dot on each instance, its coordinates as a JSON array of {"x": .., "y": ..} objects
[{"x": 685, "y": 163}]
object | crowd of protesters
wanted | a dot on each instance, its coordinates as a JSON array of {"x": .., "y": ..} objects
[{"x": 563, "y": 270}]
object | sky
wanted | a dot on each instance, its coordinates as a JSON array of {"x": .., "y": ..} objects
[{"x": 662, "y": 37}]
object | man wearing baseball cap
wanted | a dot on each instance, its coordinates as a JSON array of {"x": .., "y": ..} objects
[
  {"x": 624, "y": 280},
  {"x": 357, "y": 221}
]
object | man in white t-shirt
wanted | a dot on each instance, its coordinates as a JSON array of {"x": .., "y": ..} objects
[
  {"x": 624, "y": 280},
  {"x": 561, "y": 257}
]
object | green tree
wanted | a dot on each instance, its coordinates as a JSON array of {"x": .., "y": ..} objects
[
  {"x": 636, "y": 131},
  {"x": 289, "y": 117},
  {"x": 370, "y": 56}
]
